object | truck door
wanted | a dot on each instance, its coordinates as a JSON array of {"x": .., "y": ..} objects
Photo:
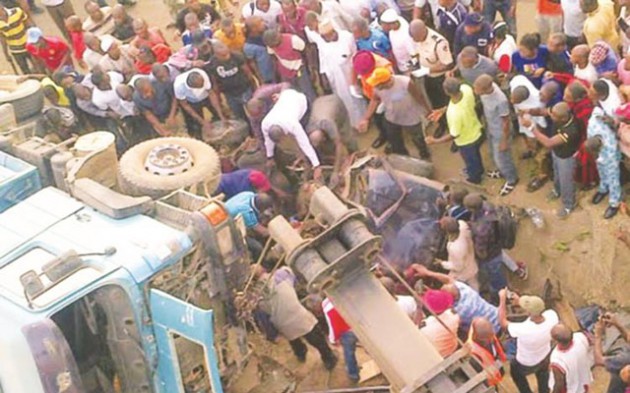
[{"x": 174, "y": 320}]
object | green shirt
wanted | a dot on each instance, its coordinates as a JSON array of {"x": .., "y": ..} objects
[{"x": 463, "y": 124}]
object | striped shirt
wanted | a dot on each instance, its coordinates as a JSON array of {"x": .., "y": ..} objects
[{"x": 14, "y": 29}]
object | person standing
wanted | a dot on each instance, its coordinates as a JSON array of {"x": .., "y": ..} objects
[
  {"x": 507, "y": 9},
  {"x": 451, "y": 14},
  {"x": 49, "y": 54},
  {"x": 548, "y": 18},
  {"x": 340, "y": 332},
  {"x": 533, "y": 340},
  {"x": 464, "y": 127},
  {"x": 404, "y": 108},
  {"x": 570, "y": 362},
  {"x": 564, "y": 144},
  {"x": 600, "y": 23},
  {"x": 268, "y": 10},
  {"x": 59, "y": 10},
  {"x": 573, "y": 22},
  {"x": 461, "y": 262},
  {"x": 14, "y": 22},
  {"x": 371, "y": 39},
  {"x": 474, "y": 32},
  {"x": 397, "y": 29},
  {"x": 602, "y": 144},
  {"x": 496, "y": 109}
]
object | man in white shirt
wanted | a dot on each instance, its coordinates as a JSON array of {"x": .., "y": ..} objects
[
  {"x": 583, "y": 69},
  {"x": 570, "y": 362},
  {"x": 607, "y": 95},
  {"x": 116, "y": 57},
  {"x": 284, "y": 120},
  {"x": 533, "y": 340},
  {"x": 268, "y": 10},
  {"x": 461, "y": 263},
  {"x": 330, "y": 10},
  {"x": 104, "y": 98},
  {"x": 573, "y": 21},
  {"x": 402, "y": 44},
  {"x": 406, "y": 303}
]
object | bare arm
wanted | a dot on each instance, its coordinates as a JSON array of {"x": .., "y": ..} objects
[
  {"x": 549, "y": 143},
  {"x": 153, "y": 120},
  {"x": 216, "y": 104},
  {"x": 559, "y": 378},
  {"x": 598, "y": 351},
  {"x": 503, "y": 321},
  {"x": 188, "y": 109}
]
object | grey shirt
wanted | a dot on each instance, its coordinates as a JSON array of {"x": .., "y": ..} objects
[
  {"x": 484, "y": 65},
  {"x": 400, "y": 106},
  {"x": 495, "y": 107},
  {"x": 330, "y": 115}
]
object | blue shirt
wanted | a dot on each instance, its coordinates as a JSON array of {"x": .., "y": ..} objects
[
  {"x": 243, "y": 205},
  {"x": 471, "y": 305},
  {"x": 450, "y": 20},
  {"x": 235, "y": 182},
  {"x": 187, "y": 37},
  {"x": 527, "y": 67},
  {"x": 377, "y": 42},
  {"x": 609, "y": 64},
  {"x": 480, "y": 40}
]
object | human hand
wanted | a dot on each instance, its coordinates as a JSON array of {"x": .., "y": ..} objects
[
  {"x": 197, "y": 63},
  {"x": 503, "y": 145},
  {"x": 436, "y": 114},
  {"x": 600, "y": 327},
  {"x": 539, "y": 72},
  {"x": 363, "y": 126},
  {"x": 429, "y": 140}
]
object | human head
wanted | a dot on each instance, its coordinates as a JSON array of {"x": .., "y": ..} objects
[
  {"x": 311, "y": 20},
  {"x": 145, "y": 88},
  {"x": 548, "y": 91},
  {"x": 452, "y": 87},
  {"x": 259, "y": 181},
  {"x": 92, "y": 42},
  {"x": 473, "y": 202},
  {"x": 263, "y": 5},
  {"x": 360, "y": 28},
  {"x": 533, "y": 305},
  {"x": 82, "y": 92},
  {"x": 119, "y": 14},
  {"x": 264, "y": 204},
  {"x": 110, "y": 46},
  {"x": 519, "y": 94},
  {"x": 276, "y": 133},
  {"x": 588, "y": 6},
  {"x": 289, "y": 8},
  {"x": 599, "y": 90},
  {"x": 191, "y": 21},
  {"x": 453, "y": 290},
  {"x": 327, "y": 31},
  {"x": 447, "y": 3},
  {"x": 557, "y": 43},
  {"x": 593, "y": 145},
  {"x": 483, "y": 331},
  {"x": 500, "y": 30},
  {"x": 450, "y": 226},
  {"x": 457, "y": 195},
  {"x": 193, "y": 5},
  {"x": 255, "y": 25},
  {"x": 561, "y": 113},
  {"x": 624, "y": 374},
  {"x": 381, "y": 78},
  {"x": 195, "y": 80},
  {"x": 389, "y": 20},
  {"x": 483, "y": 85},
  {"x": 363, "y": 63},
  {"x": 161, "y": 73},
  {"x": 228, "y": 27},
  {"x": 101, "y": 79},
  {"x": 579, "y": 55},
  {"x": 35, "y": 36},
  {"x": 437, "y": 301},
  {"x": 202, "y": 44},
  {"x": 575, "y": 91},
  {"x": 94, "y": 11},
  {"x": 125, "y": 92},
  {"x": 53, "y": 117},
  {"x": 146, "y": 55},
  {"x": 311, "y": 5},
  {"x": 73, "y": 23},
  {"x": 473, "y": 23},
  {"x": 468, "y": 57},
  {"x": 221, "y": 51},
  {"x": 254, "y": 108},
  {"x": 271, "y": 38},
  {"x": 140, "y": 27},
  {"x": 64, "y": 79},
  {"x": 317, "y": 138},
  {"x": 528, "y": 45},
  {"x": 562, "y": 334},
  {"x": 599, "y": 53},
  {"x": 418, "y": 30}
]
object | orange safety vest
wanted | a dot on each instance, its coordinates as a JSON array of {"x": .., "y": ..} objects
[{"x": 487, "y": 359}]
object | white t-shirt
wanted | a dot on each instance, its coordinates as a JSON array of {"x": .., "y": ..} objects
[
  {"x": 575, "y": 363},
  {"x": 108, "y": 99},
  {"x": 402, "y": 45},
  {"x": 270, "y": 17},
  {"x": 613, "y": 101},
  {"x": 588, "y": 73},
  {"x": 505, "y": 48},
  {"x": 573, "y": 17},
  {"x": 407, "y": 304},
  {"x": 533, "y": 340}
]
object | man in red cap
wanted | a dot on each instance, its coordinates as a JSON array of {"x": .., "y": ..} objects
[
  {"x": 440, "y": 303},
  {"x": 243, "y": 180}
]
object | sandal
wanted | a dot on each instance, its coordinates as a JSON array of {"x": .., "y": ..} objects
[
  {"x": 494, "y": 174},
  {"x": 536, "y": 184},
  {"x": 507, "y": 188}
]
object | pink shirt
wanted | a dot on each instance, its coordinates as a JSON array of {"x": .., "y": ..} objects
[{"x": 624, "y": 74}]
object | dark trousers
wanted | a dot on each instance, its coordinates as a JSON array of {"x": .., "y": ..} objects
[
  {"x": 59, "y": 13},
  {"x": 471, "y": 155},
  {"x": 519, "y": 375},
  {"x": 393, "y": 133},
  {"x": 22, "y": 60},
  {"x": 316, "y": 338},
  {"x": 438, "y": 98},
  {"x": 192, "y": 126}
]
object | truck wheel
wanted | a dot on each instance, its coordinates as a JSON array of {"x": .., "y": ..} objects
[
  {"x": 225, "y": 135},
  {"x": 411, "y": 165},
  {"x": 27, "y": 97},
  {"x": 160, "y": 166}
]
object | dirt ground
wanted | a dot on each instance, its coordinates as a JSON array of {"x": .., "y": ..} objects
[{"x": 582, "y": 251}]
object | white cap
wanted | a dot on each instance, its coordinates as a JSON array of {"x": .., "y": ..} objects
[
  {"x": 389, "y": 16},
  {"x": 106, "y": 43}
]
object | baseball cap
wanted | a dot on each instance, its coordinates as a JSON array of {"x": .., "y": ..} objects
[
  {"x": 532, "y": 304},
  {"x": 389, "y": 16},
  {"x": 33, "y": 35},
  {"x": 473, "y": 19},
  {"x": 437, "y": 300},
  {"x": 260, "y": 181}
]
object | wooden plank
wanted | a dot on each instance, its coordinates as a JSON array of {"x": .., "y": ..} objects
[
  {"x": 472, "y": 383},
  {"x": 368, "y": 371}
]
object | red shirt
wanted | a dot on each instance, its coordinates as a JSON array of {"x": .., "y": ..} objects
[
  {"x": 51, "y": 54},
  {"x": 78, "y": 45},
  {"x": 162, "y": 54},
  {"x": 336, "y": 324}
]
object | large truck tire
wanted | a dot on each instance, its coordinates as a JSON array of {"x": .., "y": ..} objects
[
  {"x": 159, "y": 166},
  {"x": 225, "y": 136},
  {"x": 411, "y": 165},
  {"x": 27, "y": 99}
]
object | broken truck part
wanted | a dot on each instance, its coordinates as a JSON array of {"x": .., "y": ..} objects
[{"x": 337, "y": 262}]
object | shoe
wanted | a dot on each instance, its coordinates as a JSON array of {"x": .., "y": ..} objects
[
  {"x": 611, "y": 211},
  {"x": 553, "y": 195},
  {"x": 494, "y": 174},
  {"x": 535, "y": 184},
  {"x": 354, "y": 378},
  {"x": 507, "y": 188},
  {"x": 36, "y": 10},
  {"x": 329, "y": 364},
  {"x": 379, "y": 142},
  {"x": 522, "y": 272},
  {"x": 563, "y": 213},
  {"x": 598, "y": 197}
]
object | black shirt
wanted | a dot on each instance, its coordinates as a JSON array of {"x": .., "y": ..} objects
[
  {"x": 570, "y": 134},
  {"x": 229, "y": 74},
  {"x": 124, "y": 31}
]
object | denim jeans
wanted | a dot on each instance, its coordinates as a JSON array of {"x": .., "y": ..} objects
[
  {"x": 237, "y": 103},
  {"x": 349, "y": 344},
  {"x": 503, "y": 159},
  {"x": 472, "y": 158},
  {"x": 490, "y": 9},
  {"x": 563, "y": 183},
  {"x": 494, "y": 276},
  {"x": 263, "y": 61},
  {"x": 519, "y": 375}
]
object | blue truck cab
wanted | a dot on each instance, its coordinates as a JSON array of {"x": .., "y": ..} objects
[
  {"x": 18, "y": 180},
  {"x": 90, "y": 303}
]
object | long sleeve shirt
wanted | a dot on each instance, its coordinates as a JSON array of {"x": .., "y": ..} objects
[
  {"x": 286, "y": 114},
  {"x": 264, "y": 93}
]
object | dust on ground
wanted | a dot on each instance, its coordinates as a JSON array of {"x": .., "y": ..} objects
[{"x": 582, "y": 251}]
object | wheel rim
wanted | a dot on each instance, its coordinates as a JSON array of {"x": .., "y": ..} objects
[{"x": 168, "y": 160}]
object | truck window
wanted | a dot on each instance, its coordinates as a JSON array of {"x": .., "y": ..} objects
[{"x": 103, "y": 336}]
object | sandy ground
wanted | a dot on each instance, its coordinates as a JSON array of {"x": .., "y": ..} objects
[{"x": 582, "y": 251}]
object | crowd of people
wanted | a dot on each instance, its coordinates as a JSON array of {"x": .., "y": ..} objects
[{"x": 318, "y": 73}]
